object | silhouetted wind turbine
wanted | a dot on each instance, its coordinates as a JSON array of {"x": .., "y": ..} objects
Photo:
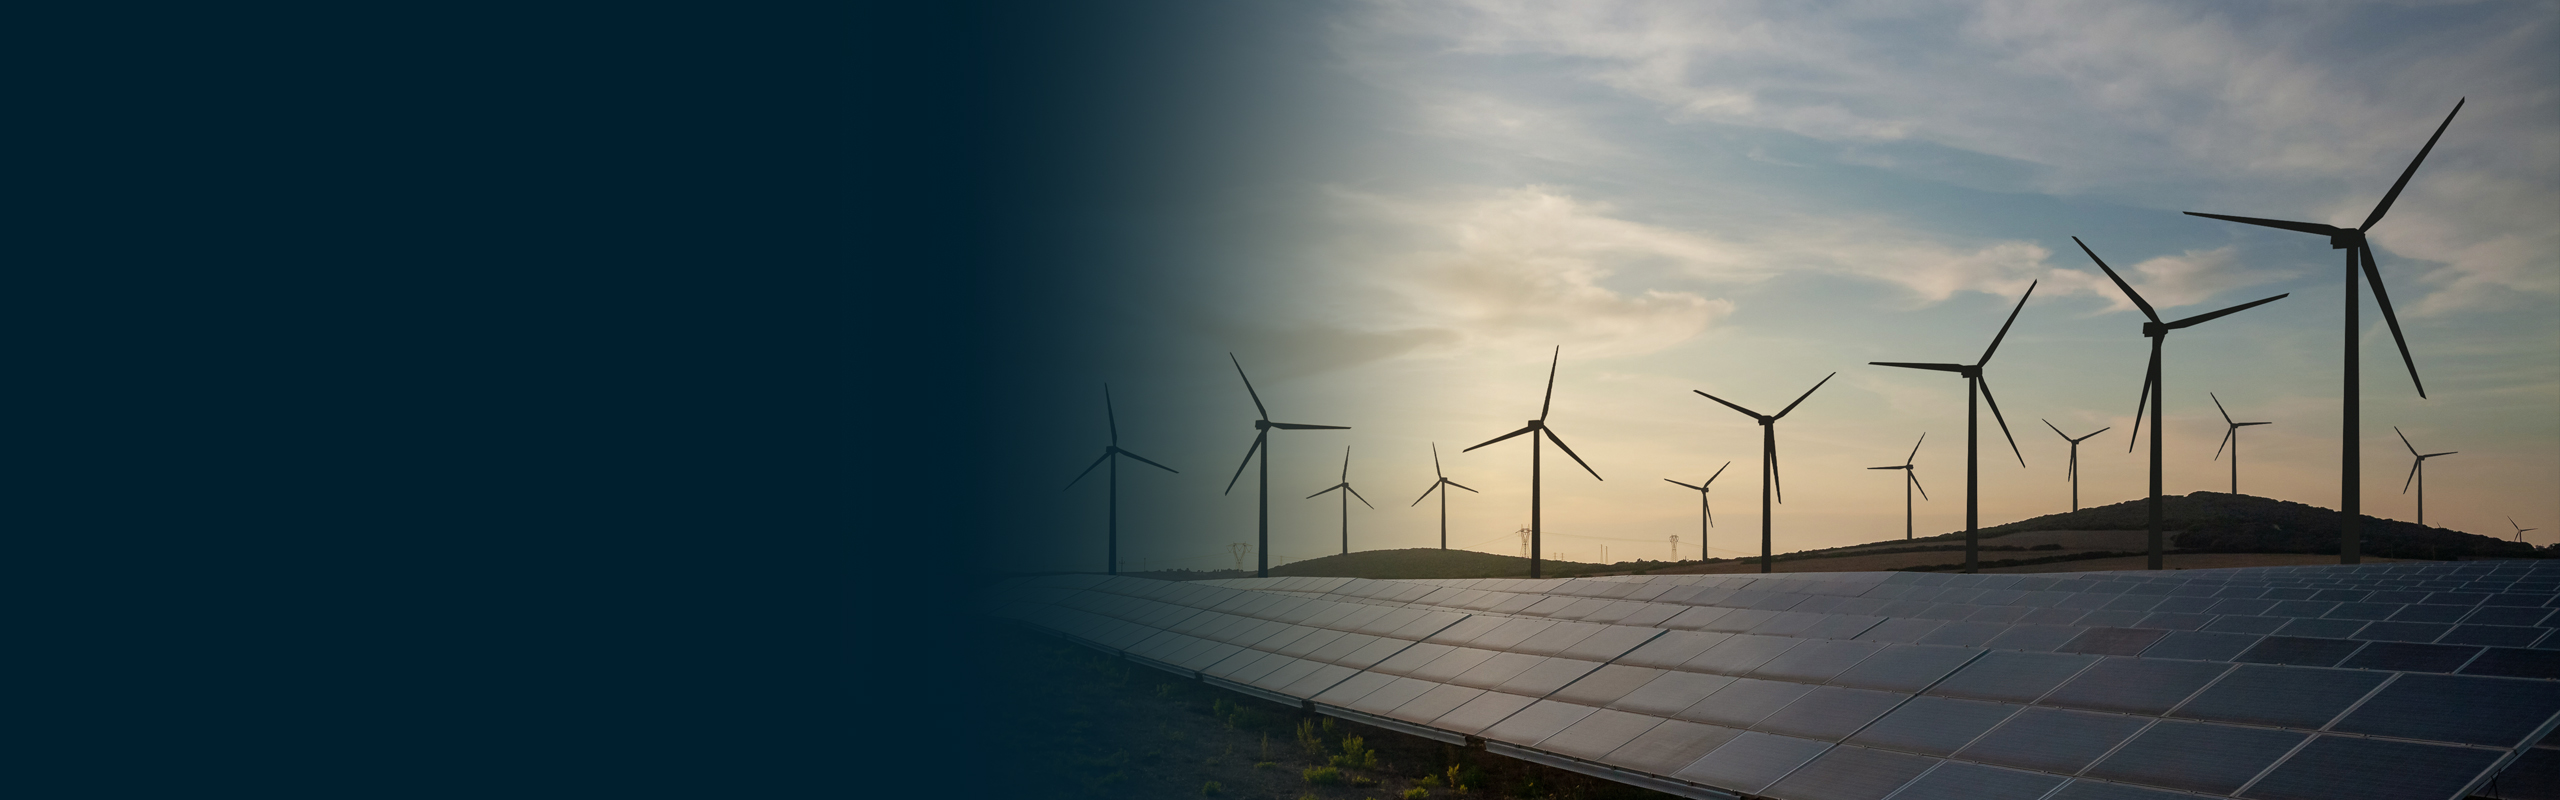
[
  {"x": 1347, "y": 494},
  {"x": 2352, "y": 240},
  {"x": 1108, "y": 451},
  {"x": 1262, "y": 443},
  {"x": 1539, "y": 425},
  {"x": 1768, "y": 462},
  {"x": 1911, "y": 480},
  {"x": 2151, "y": 388},
  {"x": 2418, "y": 473},
  {"x": 1436, "y": 486},
  {"x": 2231, "y": 438},
  {"x": 2520, "y": 530},
  {"x": 1706, "y": 514},
  {"x": 2073, "y": 474},
  {"x": 1975, "y": 386}
]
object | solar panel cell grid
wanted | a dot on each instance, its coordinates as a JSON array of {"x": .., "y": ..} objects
[
  {"x": 1850, "y": 773},
  {"x": 1752, "y": 761},
  {"x": 1933, "y": 725}
]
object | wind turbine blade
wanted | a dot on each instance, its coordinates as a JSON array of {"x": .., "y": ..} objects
[
  {"x": 1109, "y": 414},
  {"x": 1346, "y": 465},
  {"x": 2404, "y": 441},
  {"x": 1298, "y": 426},
  {"x": 1677, "y": 483},
  {"x": 1426, "y": 493},
  {"x": 2445, "y": 453},
  {"x": 1248, "y": 460},
  {"x": 1502, "y": 437},
  {"x": 2004, "y": 327},
  {"x": 2072, "y": 473},
  {"x": 2305, "y": 227},
  {"x": 2149, "y": 376},
  {"x": 1435, "y": 461},
  {"x": 2217, "y": 406},
  {"x": 1896, "y": 466},
  {"x": 2382, "y": 298},
  {"x": 1711, "y": 479},
  {"x": 2247, "y": 424},
  {"x": 2226, "y": 440},
  {"x": 1909, "y": 365},
  {"x": 1708, "y": 506},
  {"x": 1915, "y": 483},
  {"x": 1356, "y": 493},
  {"x": 1995, "y": 416},
  {"x": 1088, "y": 470},
  {"x": 1551, "y": 383},
  {"x": 2093, "y": 433},
  {"x": 1328, "y": 489},
  {"x": 1807, "y": 393},
  {"x": 1915, "y": 449},
  {"x": 1248, "y": 388},
  {"x": 1462, "y": 486},
  {"x": 2403, "y": 183},
  {"x": 2129, "y": 293},
  {"x": 2056, "y": 431},
  {"x": 2200, "y": 319},
  {"x": 2413, "y": 475},
  {"x": 1745, "y": 411},
  {"x": 1586, "y": 466},
  {"x": 1149, "y": 463},
  {"x": 1775, "y": 483}
]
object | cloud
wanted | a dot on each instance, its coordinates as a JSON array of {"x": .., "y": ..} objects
[{"x": 2306, "y": 112}]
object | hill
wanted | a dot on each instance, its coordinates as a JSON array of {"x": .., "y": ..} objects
[{"x": 2221, "y": 522}]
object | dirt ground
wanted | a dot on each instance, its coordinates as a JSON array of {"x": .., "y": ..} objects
[{"x": 1094, "y": 726}]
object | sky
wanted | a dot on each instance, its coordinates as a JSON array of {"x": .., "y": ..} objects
[{"x": 1393, "y": 213}]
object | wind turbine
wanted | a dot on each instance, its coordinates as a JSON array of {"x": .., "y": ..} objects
[
  {"x": 2159, "y": 333},
  {"x": 2352, "y": 240},
  {"x": 1975, "y": 386},
  {"x": 1108, "y": 453},
  {"x": 1261, "y": 444},
  {"x": 1911, "y": 480},
  {"x": 2232, "y": 438},
  {"x": 1436, "y": 486},
  {"x": 1347, "y": 494},
  {"x": 2073, "y": 474},
  {"x": 1539, "y": 426},
  {"x": 1707, "y": 514},
  {"x": 1768, "y": 462},
  {"x": 2418, "y": 474},
  {"x": 2520, "y": 530}
]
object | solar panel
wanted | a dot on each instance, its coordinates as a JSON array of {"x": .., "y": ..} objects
[
  {"x": 2052, "y": 740},
  {"x": 1830, "y": 713},
  {"x": 1548, "y": 676},
  {"x": 1850, "y": 773},
  {"x": 2514, "y": 663},
  {"x": 2094, "y": 790},
  {"x": 1744, "y": 702},
  {"x": 1432, "y": 704},
  {"x": 2298, "y": 651},
  {"x": 1752, "y": 761},
  {"x": 1905, "y": 668},
  {"x": 1934, "y": 725},
  {"x": 1537, "y": 721},
  {"x": 1672, "y": 648},
  {"x": 2197, "y": 756},
  {"x": 1816, "y": 661},
  {"x": 2406, "y": 657},
  {"x": 2012, "y": 677},
  {"x": 1956, "y": 780},
  {"x": 1606, "y": 685},
  {"x": 1595, "y": 734},
  {"x": 2135, "y": 685},
  {"x": 2201, "y": 645},
  {"x": 2112, "y": 641},
  {"x": 1669, "y": 746},
  {"x": 1481, "y": 712},
  {"x": 2497, "y": 712},
  {"x": 2349, "y": 768}
]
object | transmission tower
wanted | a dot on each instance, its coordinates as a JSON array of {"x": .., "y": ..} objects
[{"x": 1239, "y": 549}]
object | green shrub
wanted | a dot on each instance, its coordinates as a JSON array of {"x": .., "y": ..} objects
[
  {"x": 1211, "y": 789},
  {"x": 1416, "y": 793},
  {"x": 1321, "y": 776},
  {"x": 1309, "y": 739},
  {"x": 1428, "y": 780},
  {"x": 1356, "y": 754}
]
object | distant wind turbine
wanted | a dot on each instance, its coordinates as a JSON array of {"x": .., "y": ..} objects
[
  {"x": 1706, "y": 514},
  {"x": 1768, "y": 462},
  {"x": 1976, "y": 386},
  {"x": 1108, "y": 454},
  {"x": 2073, "y": 474},
  {"x": 1436, "y": 486},
  {"x": 1539, "y": 426},
  {"x": 1261, "y": 443},
  {"x": 2352, "y": 240},
  {"x": 2520, "y": 530},
  {"x": 2232, "y": 438},
  {"x": 2151, "y": 385},
  {"x": 1347, "y": 494},
  {"x": 2418, "y": 474},
  {"x": 1910, "y": 481}
]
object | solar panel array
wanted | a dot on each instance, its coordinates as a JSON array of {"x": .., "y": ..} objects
[{"x": 2375, "y": 681}]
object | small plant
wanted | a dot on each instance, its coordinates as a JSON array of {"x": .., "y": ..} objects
[
  {"x": 1321, "y": 776},
  {"x": 1416, "y": 793},
  {"x": 1356, "y": 755},
  {"x": 1211, "y": 789},
  {"x": 1309, "y": 739},
  {"x": 1428, "y": 781},
  {"x": 1164, "y": 690},
  {"x": 1363, "y": 780},
  {"x": 1266, "y": 745}
]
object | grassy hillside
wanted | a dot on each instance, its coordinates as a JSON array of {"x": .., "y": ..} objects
[{"x": 2221, "y": 522}]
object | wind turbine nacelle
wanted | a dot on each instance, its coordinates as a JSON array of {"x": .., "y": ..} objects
[
  {"x": 1537, "y": 423},
  {"x": 2345, "y": 239},
  {"x": 1261, "y": 424},
  {"x": 2154, "y": 329}
]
